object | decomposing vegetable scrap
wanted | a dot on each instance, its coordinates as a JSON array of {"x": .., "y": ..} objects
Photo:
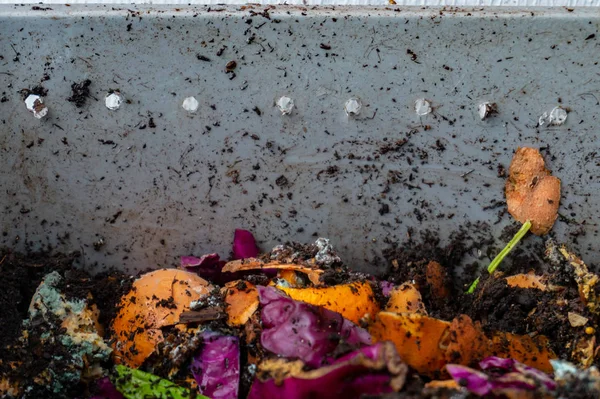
[
  {"x": 532, "y": 193},
  {"x": 585, "y": 279},
  {"x": 427, "y": 344},
  {"x": 532, "y": 198},
  {"x": 257, "y": 264},
  {"x": 302, "y": 331},
  {"x": 372, "y": 370},
  {"x": 216, "y": 368},
  {"x": 157, "y": 299}
]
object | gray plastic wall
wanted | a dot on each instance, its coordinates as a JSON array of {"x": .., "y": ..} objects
[{"x": 139, "y": 186}]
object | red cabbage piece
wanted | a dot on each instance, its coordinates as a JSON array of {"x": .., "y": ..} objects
[
  {"x": 369, "y": 371},
  {"x": 474, "y": 381},
  {"x": 494, "y": 362},
  {"x": 386, "y": 288},
  {"x": 500, "y": 374},
  {"x": 216, "y": 368},
  {"x": 298, "y": 330},
  {"x": 207, "y": 266},
  {"x": 244, "y": 245},
  {"x": 500, "y": 365},
  {"x": 107, "y": 390}
]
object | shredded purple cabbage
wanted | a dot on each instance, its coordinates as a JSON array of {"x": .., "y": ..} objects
[
  {"x": 216, "y": 368},
  {"x": 368, "y": 371},
  {"x": 474, "y": 381},
  {"x": 499, "y": 374},
  {"x": 207, "y": 266},
  {"x": 298, "y": 330},
  {"x": 386, "y": 288},
  {"x": 244, "y": 245}
]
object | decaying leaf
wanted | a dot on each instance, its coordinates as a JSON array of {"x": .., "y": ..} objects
[
  {"x": 406, "y": 299},
  {"x": 577, "y": 320},
  {"x": 532, "y": 193},
  {"x": 583, "y": 352},
  {"x": 257, "y": 264},
  {"x": 585, "y": 279},
  {"x": 353, "y": 301}
]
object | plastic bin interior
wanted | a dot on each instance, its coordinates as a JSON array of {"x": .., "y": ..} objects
[{"x": 141, "y": 185}]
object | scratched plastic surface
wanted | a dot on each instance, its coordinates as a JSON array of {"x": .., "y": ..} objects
[{"x": 151, "y": 181}]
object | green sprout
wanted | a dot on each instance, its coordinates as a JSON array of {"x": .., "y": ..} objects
[
  {"x": 498, "y": 259},
  {"x": 137, "y": 384}
]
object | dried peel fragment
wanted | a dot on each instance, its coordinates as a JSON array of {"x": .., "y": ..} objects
[
  {"x": 437, "y": 280},
  {"x": 529, "y": 280},
  {"x": 257, "y": 264},
  {"x": 532, "y": 193}
]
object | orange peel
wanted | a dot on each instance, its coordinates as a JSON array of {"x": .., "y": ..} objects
[
  {"x": 418, "y": 339},
  {"x": 427, "y": 344},
  {"x": 533, "y": 351},
  {"x": 156, "y": 299},
  {"x": 406, "y": 299},
  {"x": 241, "y": 301},
  {"x": 353, "y": 300}
]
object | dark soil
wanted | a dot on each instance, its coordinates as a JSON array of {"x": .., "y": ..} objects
[
  {"x": 80, "y": 93},
  {"x": 21, "y": 275}
]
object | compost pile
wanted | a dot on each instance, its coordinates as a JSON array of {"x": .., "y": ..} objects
[{"x": 296, "y": 322}]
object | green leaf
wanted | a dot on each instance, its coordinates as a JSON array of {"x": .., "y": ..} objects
[
  {"x": 137, "y": 384},
  {"x": 498, "y": 259}
]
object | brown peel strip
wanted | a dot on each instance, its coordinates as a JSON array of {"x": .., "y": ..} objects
[
  {"x": 257, "y": 264},
  {"x": 529, "y": 280}
]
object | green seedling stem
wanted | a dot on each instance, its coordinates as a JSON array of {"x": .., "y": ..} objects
[{"x": 498, "y": 259}]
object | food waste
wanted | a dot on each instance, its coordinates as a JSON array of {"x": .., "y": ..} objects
[{"x": 296, "y": 322}]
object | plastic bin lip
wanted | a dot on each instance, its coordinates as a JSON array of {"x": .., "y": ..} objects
[
  {"x": 143, "y": 184},
  {"x": 290, "y": 10}
]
